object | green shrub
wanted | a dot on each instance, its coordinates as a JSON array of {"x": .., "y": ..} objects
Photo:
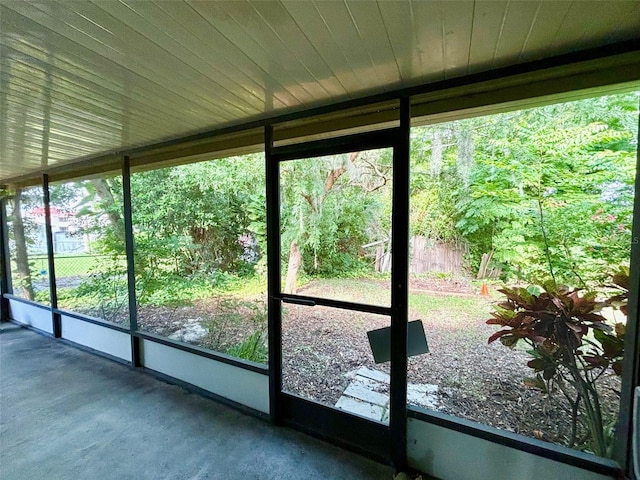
[
  {"x": 253, "y": 348},
  {"x": 572, "y": 346}
]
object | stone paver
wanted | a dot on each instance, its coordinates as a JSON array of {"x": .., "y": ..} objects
[
  {"x": 358, "y": 407},
  {"x": 373, "y": 374},
  {"x": 365, "y": 389},
  {"x": 363, "y": 396},
  {"x": 424, "y": 395}
]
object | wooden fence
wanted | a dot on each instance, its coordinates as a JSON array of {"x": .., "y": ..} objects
[
  {"x": 430, "y": 256},
  {"x": 426, "y": 255}
]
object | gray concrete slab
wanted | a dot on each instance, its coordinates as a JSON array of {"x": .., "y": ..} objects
[{"x": 67, "y": 414}]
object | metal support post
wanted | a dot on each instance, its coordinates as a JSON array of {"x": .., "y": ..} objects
[
  {"x": 399, "y": 292},
  {"x": 53, "y": 292},
  {"x": 5, "y": 278},
  {"x": 131, "y": 273},
  {"x": 273, "y": 279}
]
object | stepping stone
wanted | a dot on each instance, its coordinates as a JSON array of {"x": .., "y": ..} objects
[
  {"x": 364, "y": 409},
  {"x": 365, "y": 390},
  {"x": 363, "y": 395},
  {"x": 425, "y": 388},
  {"x": 424, "y": 395},
  {"x": 373, "y": 374}
]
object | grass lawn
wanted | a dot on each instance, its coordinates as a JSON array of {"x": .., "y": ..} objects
[
  {"x": 447, "y": 311},
  {"x": 450, "y": 312},
  {"x": 359, "y": 290}
]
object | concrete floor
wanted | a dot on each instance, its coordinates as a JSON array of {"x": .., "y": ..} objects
[{"x": 68, "y": 414}]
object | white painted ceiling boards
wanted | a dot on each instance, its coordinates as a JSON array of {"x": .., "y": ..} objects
[{"x": 81, "y": 78}]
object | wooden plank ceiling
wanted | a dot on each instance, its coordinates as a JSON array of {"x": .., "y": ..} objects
[{"x": 80, "y": 78}]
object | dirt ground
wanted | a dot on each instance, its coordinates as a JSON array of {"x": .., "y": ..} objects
[{"x": 476, "y": 381}]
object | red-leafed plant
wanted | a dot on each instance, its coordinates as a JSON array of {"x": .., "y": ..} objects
[{"x": 572, "y": 346}]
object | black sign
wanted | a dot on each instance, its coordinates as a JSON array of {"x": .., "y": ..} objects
[{"x": 380, "y": 341}]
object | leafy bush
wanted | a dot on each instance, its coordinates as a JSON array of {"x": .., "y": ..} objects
[{"x": 572, "y": 346}]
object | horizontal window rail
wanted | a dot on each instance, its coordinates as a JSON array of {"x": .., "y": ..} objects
[
  {"x": 334, "y": 146},
  {"x": 27, "y": 302},
  {"x": 326, "y": 302},
  {"x": 90, "y": 319}
]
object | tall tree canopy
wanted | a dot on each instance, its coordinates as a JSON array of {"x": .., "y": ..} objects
[{"x": 552, "y": 189}]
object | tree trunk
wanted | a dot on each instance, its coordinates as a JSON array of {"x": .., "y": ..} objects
[
  {"x": 465, "y": 154},
  {"x": 295, "y": 259},
  {"x": 103, "y": 192},
  {"x": 22, "y": 257},
  {"x": 379, "y": 257},
  {"x": 436, "y": 153}
]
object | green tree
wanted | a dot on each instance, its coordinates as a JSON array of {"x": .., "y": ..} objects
[
  {"x": 551, "y": 190},
  {"x": 196, "y": 220},
  {"x": 20, "y": 237},
  {"x": 434, "y": 183},
  {"x": 330, "y": 207}
]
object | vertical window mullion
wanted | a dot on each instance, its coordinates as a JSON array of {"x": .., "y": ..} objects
[
  {"x": 53, "y": 292},
  {"x": 5, "y": 266},
  {"x": 399, "y": 291},
  {"x": 131, "y": 273},
  {"x": 273, "y": 275},
  {"x": 631, "y": 366}
]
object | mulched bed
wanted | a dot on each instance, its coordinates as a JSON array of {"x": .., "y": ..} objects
[{"x": 229, "y": 323}]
